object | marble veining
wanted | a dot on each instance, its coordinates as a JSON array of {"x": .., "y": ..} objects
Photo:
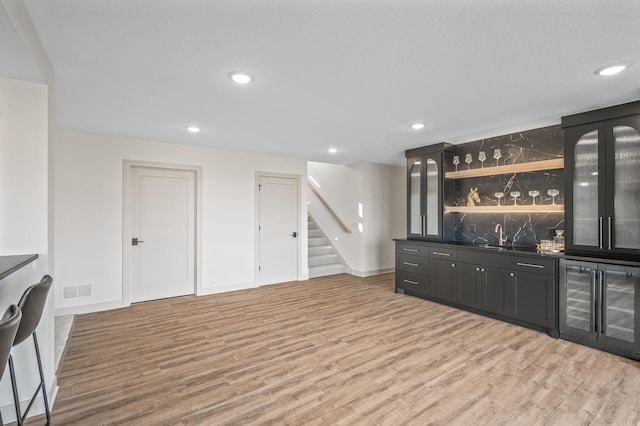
[{"x": 524, "y": 229}]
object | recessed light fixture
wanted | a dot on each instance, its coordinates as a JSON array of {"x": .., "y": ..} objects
[
  {"x": 193, "y": 129},
  {"x": 333, "y": 150},
  {"x": 417, "y": 126},
  {"x": 611, "y": 69},
  {"x": 241, "y": 77}
]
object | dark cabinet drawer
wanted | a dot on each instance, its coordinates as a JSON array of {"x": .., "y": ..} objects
[
  {"x": 442, "y": 253},
  {"x": 412, "y": 249},
  {"x": 483, "y": 258},
  {"x": 533, "y": 264},
  {"x": 412, "y": 283},
  {"x": 413, "y": 264}
]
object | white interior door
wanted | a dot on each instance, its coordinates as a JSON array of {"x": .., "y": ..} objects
[
  {"x": 163, "y": 260},
  {"x": 278, "y": 229}
]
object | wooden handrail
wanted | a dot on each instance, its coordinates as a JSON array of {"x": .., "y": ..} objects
[{"x": 344, "y": 227}]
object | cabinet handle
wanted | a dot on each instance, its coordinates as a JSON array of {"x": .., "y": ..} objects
[
  {"x": 609, "y": 220},
  {"x": 408, "y": 249},
  {"x": 530, "y": 265},
  {"x": 601, "y": 300},
  {"x": 438, "y": 253},
  {"x": 511, "y": 274},
  {"x": 477, "y": 269},
  {"x": 411, "y": 282},
  {"x": 410, "y": 264},
  {"x": 482, "y": 269},
  {"x": 594, "y": 295},
  {"x": 600, "y": 226},
  {"x": 453, "y": 265}
]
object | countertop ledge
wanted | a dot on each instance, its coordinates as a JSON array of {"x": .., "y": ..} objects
[
  {"x": 525, "y": 250},
  {"x": 10, "y": 264}
]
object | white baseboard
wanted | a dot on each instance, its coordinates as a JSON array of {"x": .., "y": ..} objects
[
  {"x": 87, "y": 309},
  {"x": 225, "y": 288},
  {"x": 373, "y": 272}
]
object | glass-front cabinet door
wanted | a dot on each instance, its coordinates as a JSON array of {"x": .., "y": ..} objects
[
  {"x": 424, "y": 208},
  {"x": 432, "y": 205},
  {"x": 623, "y": 205},
  {"x": 415, "y": 216},
  {"x": 577, "y": 298}
]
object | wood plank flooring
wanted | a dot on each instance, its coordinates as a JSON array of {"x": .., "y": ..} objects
[{"x": 334, "y": 350}]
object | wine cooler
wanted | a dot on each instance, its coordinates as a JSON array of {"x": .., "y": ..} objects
[{"x": 600, "y": 306}]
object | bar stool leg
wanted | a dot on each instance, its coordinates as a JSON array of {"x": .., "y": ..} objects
[
  {"x": 44, "y": 388},
  {"x": 16, "y": 400}
]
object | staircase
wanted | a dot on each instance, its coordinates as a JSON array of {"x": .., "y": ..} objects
[{"x": 324, "y": 259}]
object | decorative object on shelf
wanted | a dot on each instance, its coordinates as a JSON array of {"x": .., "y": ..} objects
[
  {"x": 532, "y": 166},
  {"x": 468, "y": 158},
  {"x": 497, "y": 154},
  {"x": 498, "y": 196},
  {"x": 554, "y": 193},
  {"x": 533, "y": 194},
  {"x": 545, "y": 245},
  {"x": 515, "y": 195},
  {"x": 482, "y": 156},
  {"x": 558, "y": 241},
  {"x": 473, "y": 197},
  {"x": 456, "y": 161}
]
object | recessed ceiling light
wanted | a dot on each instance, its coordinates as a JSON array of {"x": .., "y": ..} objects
[
  {"x": 417, "y": 126},
  {"x": 193, "y": 129},
  {"x": 333, "y": 150},
  {"x": 611, "y": 69},
  {"x": 241, "y": 77}
]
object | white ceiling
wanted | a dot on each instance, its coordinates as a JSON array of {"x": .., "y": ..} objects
[{"x": 351, "y": 74}]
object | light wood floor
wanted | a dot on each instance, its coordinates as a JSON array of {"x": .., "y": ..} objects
[{"x": 338, "y": 350}]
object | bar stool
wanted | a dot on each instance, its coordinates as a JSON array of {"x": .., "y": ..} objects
[
  {"x": 32, "y": 305},
  {"x": 9, "y": 324}
]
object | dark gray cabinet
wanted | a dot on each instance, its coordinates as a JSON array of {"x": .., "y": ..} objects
[
  {"x": 505, "y": 285},
  {"x": 426, "y": 189},
  {"x": 602, "y": 158}
]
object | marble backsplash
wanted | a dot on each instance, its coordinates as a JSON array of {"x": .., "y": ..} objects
[{"x": 523, "y": 229}]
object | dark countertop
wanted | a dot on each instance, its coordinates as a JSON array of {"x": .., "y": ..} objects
[
  {"x": 526, "y": 250},
  {"x": 10, "y": 264}
]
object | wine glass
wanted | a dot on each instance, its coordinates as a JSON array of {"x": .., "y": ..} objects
[
  {"x": 515, "y": 195},
  {"x": 498, "y": 196},
  {"x": 533, "y": 194},
  {"x": 482, "y": 156},
  {"x": 497, "y": 154},
  {"x": 554, "y": 193},
  {"x": 456, "y": 161},
  {"x": 468, "y": 158}
]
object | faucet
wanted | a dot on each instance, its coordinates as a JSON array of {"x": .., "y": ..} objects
[{"x": 501, "y": 239}]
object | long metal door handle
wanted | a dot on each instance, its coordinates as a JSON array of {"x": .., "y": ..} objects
[
  {"x": 600, "y": 227},
  {"x": 530, "y": 265},
  {"x": 408, "y": 249},
  {"x": 410, "y": 264},
  {"x": 610, "y": 229},
  {"x": 594, "y": 300},
  {"x": 602, "y": 301},
  {"x": 437, "y": 253},
  {"x": 411, "y": 282},
  {"x": 424, "y": 225}
]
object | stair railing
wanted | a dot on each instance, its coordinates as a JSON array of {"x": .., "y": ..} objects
[{"x": 344, "y": 227}]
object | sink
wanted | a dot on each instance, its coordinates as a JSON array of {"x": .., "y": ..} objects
[{"x": 489, "y": 246}]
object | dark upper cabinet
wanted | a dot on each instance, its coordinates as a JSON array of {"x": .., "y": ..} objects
[
  {"x": 602, "y": 169},
  {"x": 426, "y": 191}
]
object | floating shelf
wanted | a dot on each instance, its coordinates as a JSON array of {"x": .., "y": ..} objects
[
  {"x": 533, "y": 166},
  {"x": 544, "y": 208}
]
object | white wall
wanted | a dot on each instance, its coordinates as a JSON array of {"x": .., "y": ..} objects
[
  {"x": 23, "y": 221},
  {"x": 381, "y": 190},
  {"x": 89, "y": 222}
]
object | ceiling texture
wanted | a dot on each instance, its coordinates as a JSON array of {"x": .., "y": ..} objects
[{"x": 350, "y": 74}]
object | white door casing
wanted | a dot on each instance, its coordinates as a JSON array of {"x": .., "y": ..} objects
[
  {"x": 161, "y": 214},
  {"x": 278, "y": 233}
]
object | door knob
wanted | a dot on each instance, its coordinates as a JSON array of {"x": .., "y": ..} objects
[
  {"x": 135, "y": 241},
  {"x": 294, "y": 235}
]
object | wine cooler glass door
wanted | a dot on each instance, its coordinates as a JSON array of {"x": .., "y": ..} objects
[
  {"x": 577, "y": 298},
  {"x": 619, "y": 301}
]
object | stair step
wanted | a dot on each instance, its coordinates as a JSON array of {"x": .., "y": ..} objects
[
  {"x": 318, "y": 241},
  {"x": 324, "y": 270},
  {"x": 315, "y": 233},
  {"x": 324, "y": 259},
  {"x": 318, "y": 250}
]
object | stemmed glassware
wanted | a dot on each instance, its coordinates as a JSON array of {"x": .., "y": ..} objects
[
  {"x": 554, "y": 193},
  {"x": 468, "y": 158},
  {"x": 498, "y": 196},
  {"x": 482, "y": 156},
  {"x": 456, "y": 161},
  {"x": 515, "y": 195},
  {"x": 497, "y": 154},
  {"x": 533, "y": 194}
]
